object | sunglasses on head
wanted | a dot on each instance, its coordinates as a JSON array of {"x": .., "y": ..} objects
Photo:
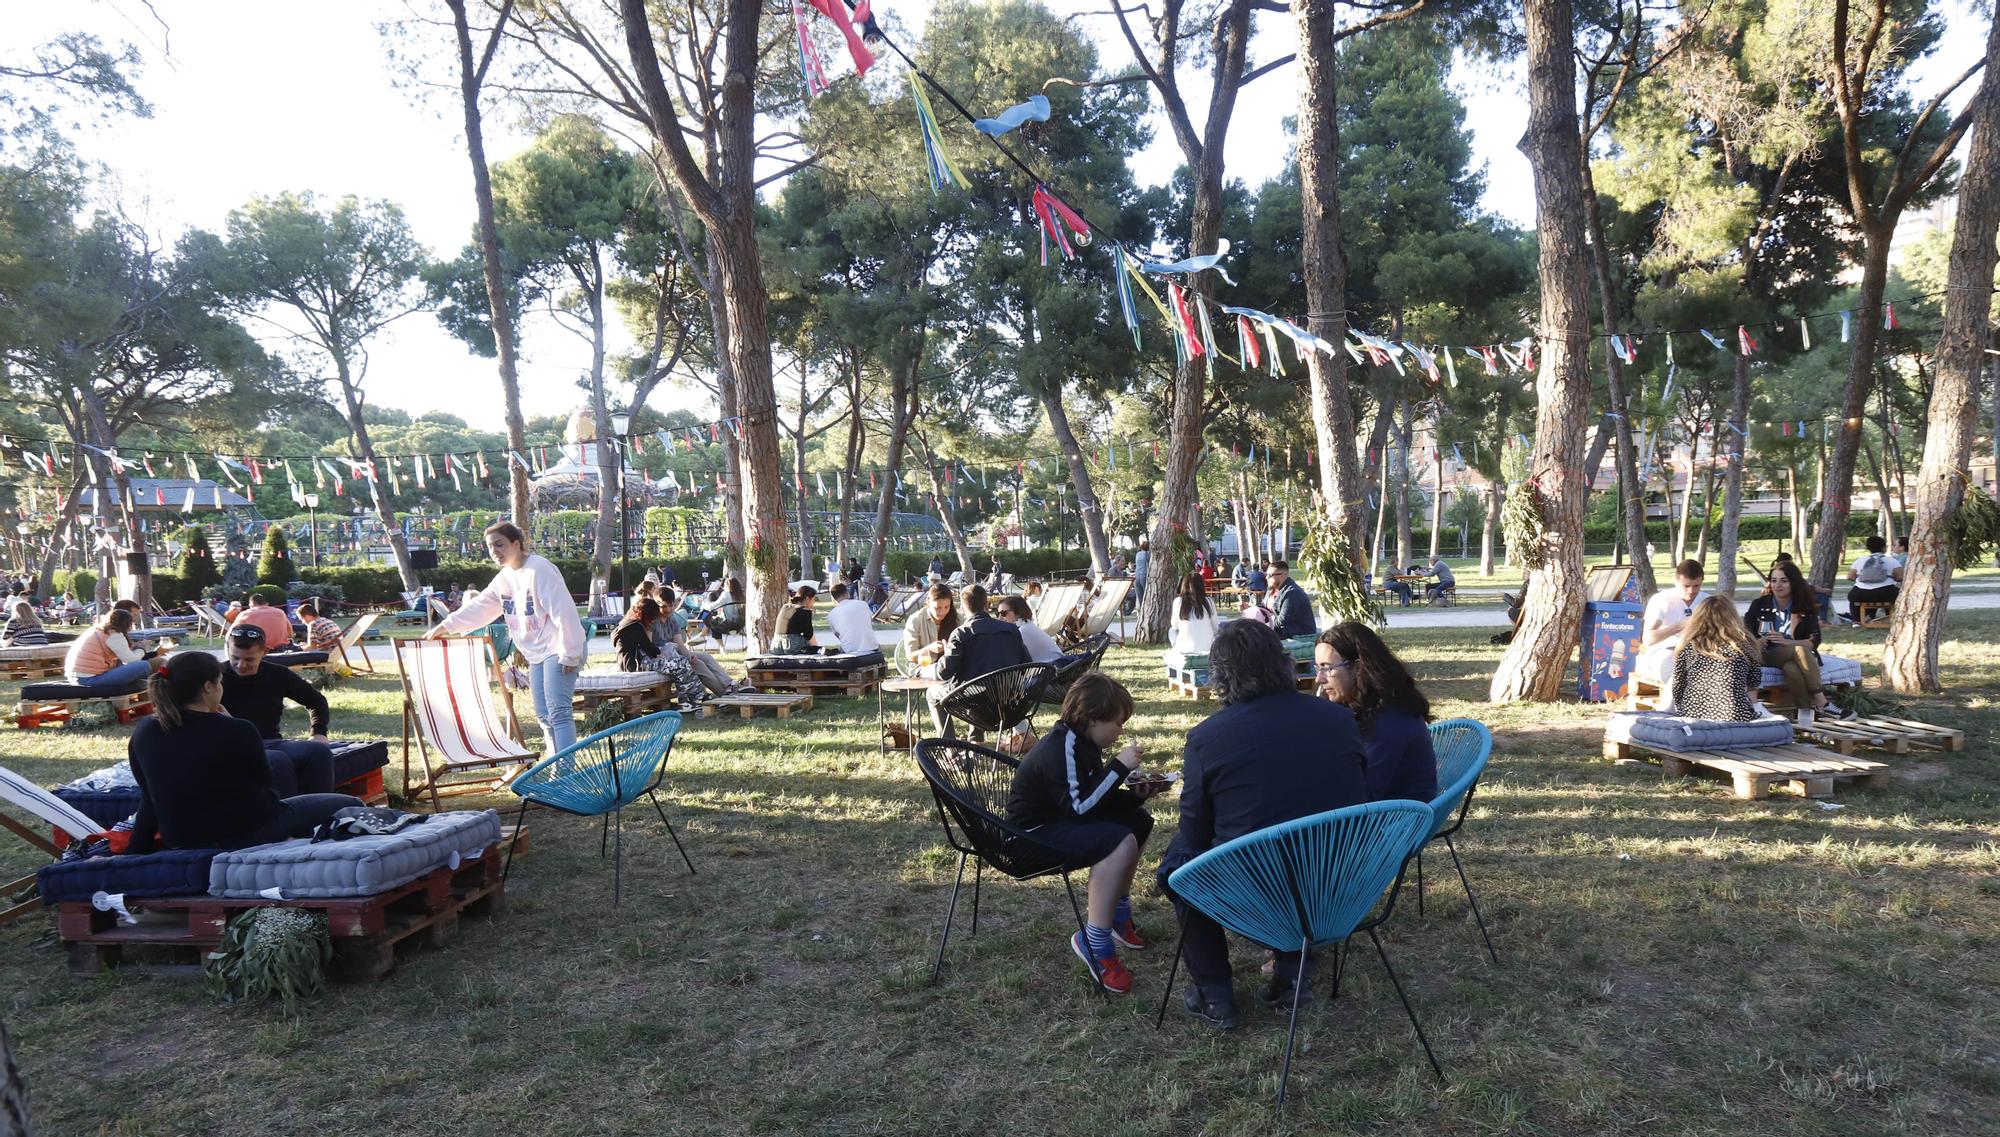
[{"x": 246, "y": 636}]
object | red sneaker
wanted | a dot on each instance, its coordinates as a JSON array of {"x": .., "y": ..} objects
[
  {"x": 1110, "y": 973},
  {"x": 1128, "y": 937}
]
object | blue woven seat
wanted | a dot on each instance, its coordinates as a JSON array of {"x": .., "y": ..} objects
[
  {"x": 1306, "y": 884},
  {"x": 599, "y": 776},
  {"x": 1462, "y": 747}
]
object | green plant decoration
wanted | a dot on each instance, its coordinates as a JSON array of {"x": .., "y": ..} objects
[
  {"x": 268, "y": 952},
  {"x": 1522, "y": 522},
  {"x": 1974, "y": 529},
  {"x": 1326, "y": 569}
]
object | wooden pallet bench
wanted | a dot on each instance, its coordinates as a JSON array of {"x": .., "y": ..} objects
[
  {"x": 31, "y": 668},
  {"x": 1754, "y": 770},
  {"x": 365, "y": 929},
  {"x": 1876, "y": 732},
  {"x": 1188, "y": 682},
  {"x": 1874, "y": 613},
  {"x": 32, "y": 713},
  {"x": 823, "y": 680},
  {"x": 747, "y": 705},
  {"x": 639, "y": 701}
]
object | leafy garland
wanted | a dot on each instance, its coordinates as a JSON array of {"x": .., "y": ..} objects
[
  {"x": 1326, "y": 568},
  {"x": 272, "y": 951},
  {"x": 1974, "y": 531},
  {"x": 1524, "y": 525}
]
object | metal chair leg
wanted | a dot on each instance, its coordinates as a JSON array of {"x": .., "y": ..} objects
[
  {"x": 1096, "y": 984},
  {"x": 978, "y": 868},
  {"x": 1173, "y": 970},
  {"x": 618, "y": 857},
  {"x": 603, "y": 836},
  {"x": 1407, "y": 1009},
  {"x": 1291, "y": 1032},
  {"x": 661, "y": 810},
  {"x": 951, "y": 909},
  {"x": 1473, "y": 900},
  {"x": 1339, "y": 965},
  {"x": 518, "y": 819},
  {"x": 1420, "y": 882}
]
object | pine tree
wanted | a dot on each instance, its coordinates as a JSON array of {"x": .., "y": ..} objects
[
  {"x": 197, "y": 564},
  {"x": 275, "y": 565}
]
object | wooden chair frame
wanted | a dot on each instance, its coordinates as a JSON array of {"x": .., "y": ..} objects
[{"x": 501, "y": 769}]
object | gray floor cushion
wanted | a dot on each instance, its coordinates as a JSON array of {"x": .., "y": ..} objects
[
  {"x": 611, "y": 679},
  {"x": 1675, "y": 732},
  {"x": 358, "y": 866}
]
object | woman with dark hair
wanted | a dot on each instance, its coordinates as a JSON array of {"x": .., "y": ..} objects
[
  {"x": 726, "y": 616},
  {"x": 1785, "y": 620},
  {"x": 795, "y": 623},
  {"x": 639, "y": 649},
  {"x": 927, "y": 629},
  {"x": 203, "y": 778},
  {"x": 1357, "y": 670},
  {"x": 1194, "y": 618},
  {"x": 530, "y": 595},
  {"x": 1270, "y": 755}
]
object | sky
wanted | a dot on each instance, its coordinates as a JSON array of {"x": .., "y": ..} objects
[{"x": 260, "y": 97}]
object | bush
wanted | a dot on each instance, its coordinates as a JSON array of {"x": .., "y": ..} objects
[
  {"x": 197, "y": 567},
  {"x": 83, "y": 582},
  {"x": 275, "y": 565},
  {"x": 359, "y": 584},
  {"x": 275, "y": 593},
  {"x": 169, "y": 590}
]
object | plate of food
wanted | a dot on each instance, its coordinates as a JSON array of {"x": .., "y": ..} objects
[{"x": 1147, "y": 783}]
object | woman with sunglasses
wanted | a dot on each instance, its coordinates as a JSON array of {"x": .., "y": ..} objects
[{"x": 1358, "y": 670}]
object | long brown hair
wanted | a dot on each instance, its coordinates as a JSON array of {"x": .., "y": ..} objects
[
  {"x": 1716, "y": 631},
  {"x": 1380, "y": 679},
  {"x": 1193, "y": 602},
  {"x": 949, "y": 624}
]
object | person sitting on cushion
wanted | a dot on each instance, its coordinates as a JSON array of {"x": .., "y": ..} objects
[
  {"x": 1358, "y": 671},
  {"x": 638, "y": 650},
  {"x": 263, "y": 614},
  {"x": 852, "y": 623},
  {"x": 1666, "y": 614},
  {"x": 103, "y": 657},
  {"x": 1785, "y": 621},
  {"x": 256, "y": 693},
  {"x": 1193, "y": 627},
  {"x": 670, "y": 635},
  {"x": 1270, "y": 755},
  {"x": 1715, "y": 667},
  {"x": 795, "y": 623},
  {"x": 1069, "y": 792},
  {"x": 1042, "y": 647},
  {"x": 204, "y": 780}
]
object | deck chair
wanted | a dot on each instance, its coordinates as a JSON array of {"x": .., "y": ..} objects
[
  {"x": 1057, "y": 604},
  {"x": 448, "y": 706},
  {"x": 212, "y": 622},
  {"x": 349, "y": 648},
  {"x": 1104, "y": 607},
  {"x": 25, "y": 795}
]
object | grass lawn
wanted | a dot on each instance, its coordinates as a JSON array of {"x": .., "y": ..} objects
[{"x": 1673, "y": 961}]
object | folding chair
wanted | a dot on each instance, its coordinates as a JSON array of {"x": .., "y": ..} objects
[
  {"x": 212, "y": 622},
  {"x": 448, "y": 689},
  {"x": 1057, "y": 603},
  {"x": 1105, "y": 605},
  {"x": 351, "y": 638},
  {"x": 25, "y": 795},
  {"x": 1462, "y": 747},
  {"x": 1305, "y": 884},
  {"x": 599, "y": 776}
]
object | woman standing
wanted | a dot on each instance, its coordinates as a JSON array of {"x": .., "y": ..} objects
[
  {"x": 1787, "y": 622},
  {"x": 529, "y": 594}
]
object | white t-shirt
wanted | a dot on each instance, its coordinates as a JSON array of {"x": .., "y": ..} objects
[
  {"x": 1192, "y": 636},
  {"x": 852, "y": 623},
  {"x": 1668, "y": 609},
  {"x": 538, "y": 610},
  {"x": 1876, "y": 570},
  {"x": 1041, "y": 647}
]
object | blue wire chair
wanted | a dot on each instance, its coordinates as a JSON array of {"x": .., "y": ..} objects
[
  {"x": 970, "y": 784},
  {"x": 1304, "y": 884},
  {"x": 1462, "y": 747},
  {"x": 599, "y": 776}
]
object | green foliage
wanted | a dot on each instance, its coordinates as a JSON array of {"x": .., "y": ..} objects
[
  {"x": 1522, "y": 523},
  {"x": 197, "y": 567},
  {"x": 83, "y": 582},
  {"x": 169, "y": 590},
  {"x": 669, "y": 526},
  {"x": 1974, "y": 529},
  {"x": 275, "y": 565},
  {"x": 1326, "y": 568},
  {"x": 272, "y": 952},
  {"x": 275, "y": 593}
]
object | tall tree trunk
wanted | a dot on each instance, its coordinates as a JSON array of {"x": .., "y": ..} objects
[
  {"x": 1707, "y": 514},
  {"x": 1551, "y": 620},
  {"x": 1916, "y": 623},
  {"x": 471, "y": 75},
  {"x": 1798, "y": 515},
  {"x": 609, "y": 492},
  {"x": 902, "y": 413},
  {"x": 732, "y": 475},
  {"x": 757, "y": 457},
  {"x": 1837, "y": 493},
  {"x": 1618, "y": 419},
  {"x": 1325, "y": 269},
  {"x": 802, "y": 502},
  {"x": 1734, "y": 433},
  {"x": 1400, "y": 486},
  {"x": 1885, "y": 512},
  {"x": 1381, "y": 516},
  {"x": 1489, "y": 532},
  {"x": 856, "y": 436},
  {"x": 1687, "y": 507},
  {"x": 1437, "y": 496}
]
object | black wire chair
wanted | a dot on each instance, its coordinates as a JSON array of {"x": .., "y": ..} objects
[
  {"x": 992, "y": 702},
  {"x": 970, "y": 785},
  {"x": 1087, "y": 657}
]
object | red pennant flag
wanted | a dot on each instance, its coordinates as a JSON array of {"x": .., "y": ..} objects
[
  {"x": 159, "y": 498},
  {"x": 714, "y": 434},
  {"x": 1743, "y": 341},
  {"x": 1889, "y": 317}
]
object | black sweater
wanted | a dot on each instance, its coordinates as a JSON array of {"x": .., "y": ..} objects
[
  {"x": 635, "y": 646},
  {"x": 203, "y": 784},
  {"x": 981, "y": 646},
  {"x": 1063, "y": 778},
  {"x": 260, "y": 699}
]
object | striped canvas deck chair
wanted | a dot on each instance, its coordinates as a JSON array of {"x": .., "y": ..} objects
[
  {"x": 1056, "y": 605},
  {"x": 212, "y": 623},
  {"x": 26, "y": 796},
  {"x": 1105, "y": 605},
  {"x": 351, "y": 652},
  {"x": 448, "y": 707}
]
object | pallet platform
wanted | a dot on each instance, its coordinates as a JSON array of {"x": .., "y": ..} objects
[
  {"x": 643, "y": 700},
  {"x": 1188, "y": 682},
  {"x": 365, "y": 929},
  {"x": 29, "y": 714},
  {"x": 20, "y": 669},
  {"x": 1754, "y": 770},
  {"x": 1874, "y": 613},
  {"x": 780, "y": 705},
  {"x": 820, "y": 680},
  {"x": 1875, "y": 732}
]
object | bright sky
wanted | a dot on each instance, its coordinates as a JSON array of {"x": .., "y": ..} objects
[{"x": 253, "y": 97}]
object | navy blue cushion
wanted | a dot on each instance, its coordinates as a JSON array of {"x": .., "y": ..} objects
[
  {"x": 109, "y": 807},
  {"x": 51, "y": 692},
  {"x": 174, "y": 872},
  {"x": 812, "y": 661}
]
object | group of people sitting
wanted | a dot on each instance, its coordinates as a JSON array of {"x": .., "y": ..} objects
[
  {"x": 1271, "y": 754},
  {"x": 1714, "y": 656},
  {"x": 974, "y": 636},
  {"x": 1438, "y": 580},
  {"x": 653, "y": 637},
  {"x": 1271, "y": 598}
]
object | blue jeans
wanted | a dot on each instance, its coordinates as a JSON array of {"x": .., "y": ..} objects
[
  {"x": 552, "y": 688},
  {"x": 122, "y": 675}
]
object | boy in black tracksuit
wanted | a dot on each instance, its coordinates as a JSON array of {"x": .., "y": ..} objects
[{"x": 1072, "y": 798}]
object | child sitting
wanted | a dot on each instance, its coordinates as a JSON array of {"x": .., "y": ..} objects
[{"x": 1073, "y": 800}]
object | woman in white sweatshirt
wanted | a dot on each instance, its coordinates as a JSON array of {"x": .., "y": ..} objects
[{"x": 529, "y": 594}]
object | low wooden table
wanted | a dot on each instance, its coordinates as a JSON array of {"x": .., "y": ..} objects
[
  {"x": 909, "y": 685},
  {"x": 1875, "y": 732},
  {"x": 804, "y": 676},
  {"x": 1753, "y": 770},
  {"x": 780, "y": 705}
]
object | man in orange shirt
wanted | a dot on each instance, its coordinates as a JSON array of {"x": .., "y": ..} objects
[{"x": 262, "y": 614}]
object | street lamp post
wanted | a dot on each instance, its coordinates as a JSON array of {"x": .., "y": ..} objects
[
  {"x": 621, "y": 422},
  {"x": 312, "y": 525}
]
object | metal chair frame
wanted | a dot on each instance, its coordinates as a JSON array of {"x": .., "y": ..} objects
[
  {"x": 1035, "y": 679},
  {"x": 1451, "y": 821}
]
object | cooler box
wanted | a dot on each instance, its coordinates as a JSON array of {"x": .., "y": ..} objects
[{"x": 1612, "y": 615}]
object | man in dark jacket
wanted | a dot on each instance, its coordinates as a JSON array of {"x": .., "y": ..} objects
[
  {"x": 256, "y": 692},
  {"x": 981, "y": 645},
  {"x": 1270, "y": 755},
  {"x": 1291, "y": 608}
]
